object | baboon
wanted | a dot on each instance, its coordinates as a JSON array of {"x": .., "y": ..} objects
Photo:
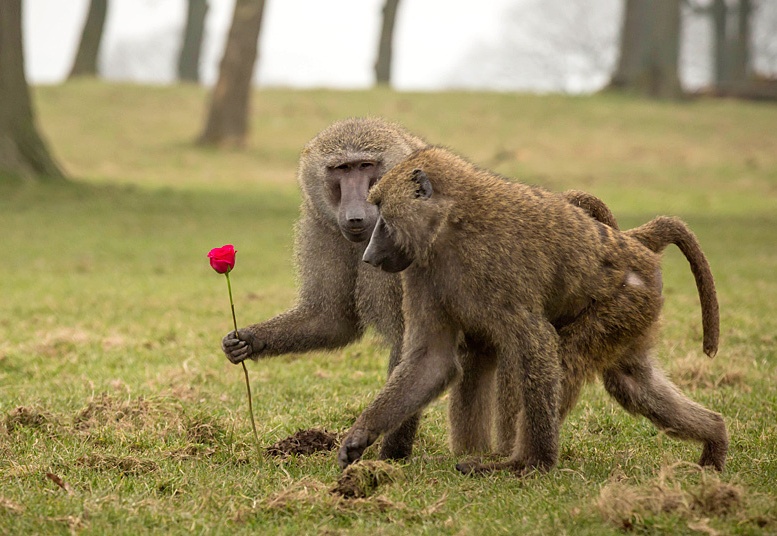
[
  {"x": 339, "y": 296},
  {"x": 656, "y": 235},
  {"x": 558, "y": 297}
]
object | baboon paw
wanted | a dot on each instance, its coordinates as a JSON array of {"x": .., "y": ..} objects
[
  {"x": 714, "y": 454},
  {"x": 237, "y": 347},
  {"x": 472, "y": 468},
  {"x": 352, "y": 448},
  {"x": 713, "y": 457}
]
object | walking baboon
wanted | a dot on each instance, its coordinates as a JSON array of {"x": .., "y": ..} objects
[
  {"x": 339, "y": 295},
  {"x": 558, "y": 296},
  {"x": 656, "y": 235}
]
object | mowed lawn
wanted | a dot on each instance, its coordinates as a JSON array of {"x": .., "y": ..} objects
[{"x": 119, "y": 413}]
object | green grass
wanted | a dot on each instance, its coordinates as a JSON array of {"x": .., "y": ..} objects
[{"x": 110, "y": 321}]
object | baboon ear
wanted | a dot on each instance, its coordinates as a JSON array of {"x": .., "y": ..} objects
[{"x": 424, "y": 187}]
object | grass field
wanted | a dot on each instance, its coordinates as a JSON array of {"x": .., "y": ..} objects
[{"x": 113, "y": 383}]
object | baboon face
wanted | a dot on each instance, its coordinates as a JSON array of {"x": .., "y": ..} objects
[
  {"x": 383, "y": 251},
  {"x": 347, "y": 185},
  {"x": 340, "y": 165},
  {"x": 387, "y": 249}
]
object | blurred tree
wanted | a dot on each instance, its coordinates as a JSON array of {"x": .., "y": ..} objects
[
  {"x": 649, "y": 49},
  {"x": 385, "y": 46},
  {"x": 22, "y": 151},
  {"x": 85, "y": 63},
  {"x": 189, "y": 58},
  {"x": 227, "y": 122},
  {"x": 732, "y": 57}
]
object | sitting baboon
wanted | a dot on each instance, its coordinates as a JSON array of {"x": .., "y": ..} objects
[{"x": 558, "y": 296}]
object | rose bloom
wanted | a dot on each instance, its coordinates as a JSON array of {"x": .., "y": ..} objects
[{"x": 222, "y": 259}]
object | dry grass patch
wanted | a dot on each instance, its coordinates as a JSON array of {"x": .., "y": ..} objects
[
  {"x": 128, "y": 465},
  {"x": 8, "y": 506},
  {"x": 697, "y": 496},
  {"x": 127, "y": 414},
  {"x": 27, "y": 417},
  {"x": 693, "y": 372},
  {"x": 309, "y": 495}
]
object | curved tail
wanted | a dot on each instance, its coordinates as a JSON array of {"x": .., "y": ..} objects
[
  {"x": 664, "y": 230},
  {"x": 594, "y": 206}
]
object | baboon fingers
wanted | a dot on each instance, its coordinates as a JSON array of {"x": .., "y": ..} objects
[
  {"x": 353, "y": 447},
  {"x": 236, "y": 349}
]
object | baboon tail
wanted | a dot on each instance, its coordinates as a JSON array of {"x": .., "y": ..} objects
[
  {"x": 665, "y": 230},
  {"x": 594, "y": 206}
]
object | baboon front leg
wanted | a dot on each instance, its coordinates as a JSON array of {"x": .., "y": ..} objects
[
  {"x": 471, "y": 400},
  {"x": 398, "y": 444},
  {"x": 424, "y": 372},
  {"x": 641, "y": 387}
]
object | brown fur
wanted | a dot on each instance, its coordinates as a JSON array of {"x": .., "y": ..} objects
[
  {"x": 339, "y": 296},
  {"x": 556, "y": 295}
]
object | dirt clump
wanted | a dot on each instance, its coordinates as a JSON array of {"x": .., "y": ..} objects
[
  {"x": 361, "y": 479},
  {"x": 304, "y": 443}
]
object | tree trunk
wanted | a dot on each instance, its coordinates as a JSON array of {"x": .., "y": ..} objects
[
  {"x": 719, "y": 22},
  {"x": 22, "y": 151},
  {"x": 731, "y": 52},
  {"x": 85, "y": 63},
  {"x": 189, "y": 58},
  {"x": 741, "y": 60},
  {"x": 634, "y": 43},
  {"x": 227, "y": 122},
  {"x": 664, "y": 67},
  {"x": 650, "y": 49},
  {"x": 385, "y": 46}
]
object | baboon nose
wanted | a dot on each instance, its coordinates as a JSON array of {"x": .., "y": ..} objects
[{"x": 369, "y": 258}]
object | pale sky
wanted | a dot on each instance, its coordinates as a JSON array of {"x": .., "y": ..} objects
[{"x": 304, "y": 43}]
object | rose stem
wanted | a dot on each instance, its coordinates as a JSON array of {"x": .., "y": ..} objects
[{"x": 245, "y": 372}]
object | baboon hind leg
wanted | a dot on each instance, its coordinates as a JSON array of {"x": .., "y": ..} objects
[
  {"x": 641, "y": 387},
  {"x": 532, "y": 367},
  {"x": 472, "y": 400}
]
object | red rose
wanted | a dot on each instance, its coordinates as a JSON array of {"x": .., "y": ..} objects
[{"x": 222, "y": 259}]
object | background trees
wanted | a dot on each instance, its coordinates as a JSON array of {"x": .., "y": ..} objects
[
  {"x": 386, "y": 42},
  {"x": 649, "y": 49},
  {"x": 85, "y": 63},
  {"x": 23, "y": 152},
  {"x": 189, "y": 57},
  {"x": 227, "y": 122}
]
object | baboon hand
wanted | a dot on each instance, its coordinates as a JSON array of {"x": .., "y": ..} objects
[
  {"x": 238, "y": 346},
  {"x": 353, "y": 446}
]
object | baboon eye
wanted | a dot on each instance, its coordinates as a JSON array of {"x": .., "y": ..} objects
[
  {"x": 343, "y": 167},
  {"x": 366, "y": 165}
]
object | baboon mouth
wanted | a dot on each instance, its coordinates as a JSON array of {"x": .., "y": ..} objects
[{"x": 359, "y": 234}]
